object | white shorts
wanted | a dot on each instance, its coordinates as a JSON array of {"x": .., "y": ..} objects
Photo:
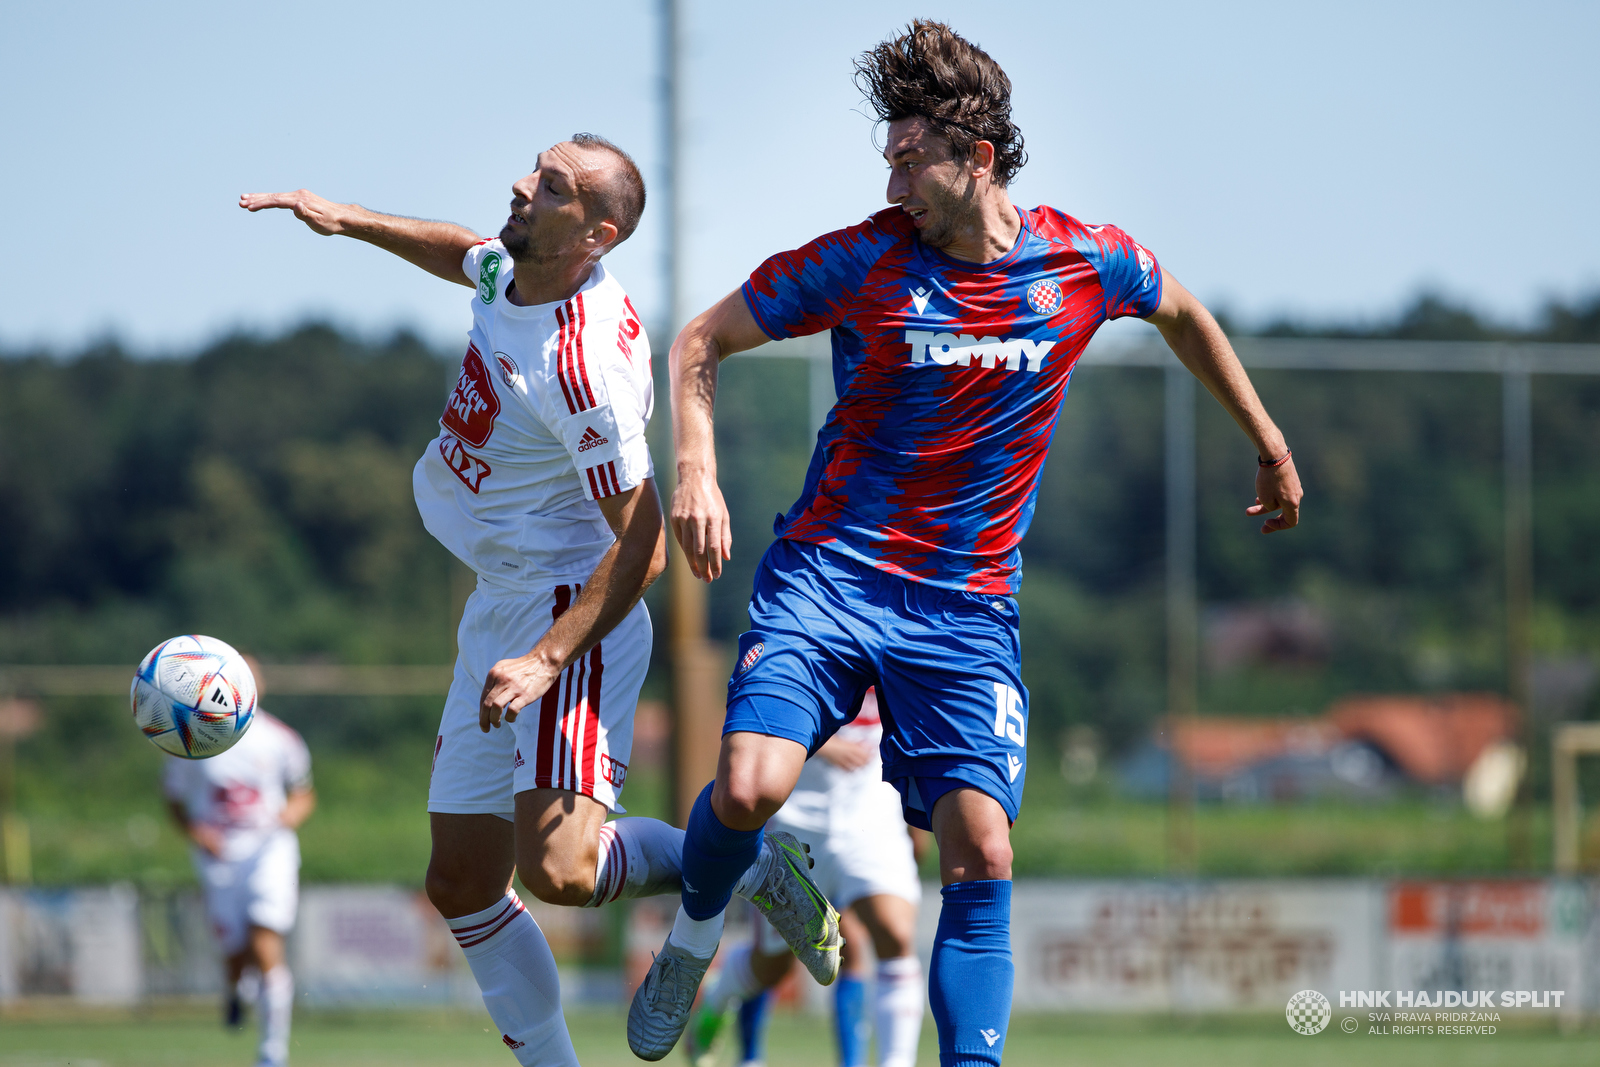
[
  {"x": 263, "y": 890},
  {"x": 578, "y": 737},
  {"x": 864, "y": 853}
]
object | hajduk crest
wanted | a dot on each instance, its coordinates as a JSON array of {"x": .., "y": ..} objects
[{"x": 1044, "y": 296}]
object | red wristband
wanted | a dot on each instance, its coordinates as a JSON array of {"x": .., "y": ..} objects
[{"x": 1280, "y": 461}]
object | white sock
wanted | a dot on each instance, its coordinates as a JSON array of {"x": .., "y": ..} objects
[
  {"x": 697, "y": 937},
  {"x": 756, "y": 873},
  {"x": 897, "y": 1007},
  {"x": 638, "y": 858},
  {"x": 275, "y": 1008},
  {"x": 735, "y": 983},
  {"x": 248, "y": 988},
  {"x": 517, "y": 974}
]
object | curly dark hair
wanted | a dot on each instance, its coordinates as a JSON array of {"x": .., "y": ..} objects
[{"x": 933, "y": 72}]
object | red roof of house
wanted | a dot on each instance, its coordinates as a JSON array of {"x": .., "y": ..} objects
[{"x": 1433, "y": 739}]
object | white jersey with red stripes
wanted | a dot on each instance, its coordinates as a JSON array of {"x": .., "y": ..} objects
[
  {"x": 243, "y": 790},
  {"x": 547, "y": 416}
]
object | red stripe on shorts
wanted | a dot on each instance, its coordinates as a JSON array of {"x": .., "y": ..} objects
[
  {"x": 592, "y": 707},
  {"x": 549, "y": 717}
]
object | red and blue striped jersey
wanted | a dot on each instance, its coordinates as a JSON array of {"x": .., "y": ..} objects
[{"x": 950, "y": 376}]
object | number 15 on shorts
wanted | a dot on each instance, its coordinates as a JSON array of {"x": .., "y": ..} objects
[{"x": 1009, "y": 721}]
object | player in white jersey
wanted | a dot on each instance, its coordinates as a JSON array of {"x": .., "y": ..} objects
[
  {"x": 540, "y": 480},
  {"x": 851, "y": 818},
  {"x": 241, "y": 808}
]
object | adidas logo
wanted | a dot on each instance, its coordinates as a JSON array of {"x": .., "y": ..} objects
[
  {"x": 591, "y": 439},
  {"x": 513, "y": 1043},
  {"x": 518, "y": 761}
]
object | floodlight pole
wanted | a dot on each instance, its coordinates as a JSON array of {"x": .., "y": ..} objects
[
  {"x": 1182, "y": 638},
  {"x": 698, "y": 668},
  {"x": 1517, "y": 425}
]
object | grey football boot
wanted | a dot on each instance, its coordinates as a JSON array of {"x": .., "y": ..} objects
[
  {"x": 796, "y": 908},
  {"x": 661, "y": 1004}
]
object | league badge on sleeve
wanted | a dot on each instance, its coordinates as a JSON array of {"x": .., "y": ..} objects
[{"x": 1044, "y": 297}]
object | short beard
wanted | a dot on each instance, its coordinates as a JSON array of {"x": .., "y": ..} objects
[
  {"x": 524, "y": 248},
  {"x": 950, "y": 213}
]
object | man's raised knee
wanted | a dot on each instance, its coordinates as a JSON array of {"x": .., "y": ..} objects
[
  {"x": 743, "y": 802},
  {"x": 563, "y": 880}
]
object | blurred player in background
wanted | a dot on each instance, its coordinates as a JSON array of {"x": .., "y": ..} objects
[
  {"x": 540, "y": 480},
  {"x": 240, "y": 808},
  {"x": 865, "y": 865},
  {"x": 956, "y": 319}
]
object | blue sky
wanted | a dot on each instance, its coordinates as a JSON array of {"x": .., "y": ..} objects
[{"x": 1321, "y": 161}]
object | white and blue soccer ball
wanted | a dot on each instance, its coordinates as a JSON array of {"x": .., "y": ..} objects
[{"x": 194, "y": 696}]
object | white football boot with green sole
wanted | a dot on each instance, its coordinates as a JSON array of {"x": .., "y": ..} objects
[{"x": 789, "y": 900}]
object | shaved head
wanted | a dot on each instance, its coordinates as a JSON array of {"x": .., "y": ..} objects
[{"x": 613, "y": 189}]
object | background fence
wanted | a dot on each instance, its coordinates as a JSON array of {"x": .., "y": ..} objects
[{"x": 1089, "y": 945}]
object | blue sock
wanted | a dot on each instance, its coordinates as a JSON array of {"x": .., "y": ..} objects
[
  {"x": 753, "y": 1027},
  {"x": 850, "y": 1020},
  {"x": 713, "y": 859},
  {"x": 969, "y": 984}
]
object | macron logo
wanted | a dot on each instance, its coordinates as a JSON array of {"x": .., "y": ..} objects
[
  {"x": 990, "y": 1036},
  {"x": 961, "y": 349},
  {"x": 919, "y": 298},
  {"x": 1015, "y": 765},
  {"x": 591, "y": 439}
]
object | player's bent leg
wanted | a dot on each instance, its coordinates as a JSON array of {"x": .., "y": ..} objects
[
  {"x": 755, "y": 774},
  {"x": 275, "y": 1006},
  {"x": 558, "y": 844},
  {"x": 898, "y": 997},
  {"x": 471, "y": 864},
  {"x": 970, "y": 981},
  {"x": 469, "y": 881},
  {"x": 236, "y": 994}
]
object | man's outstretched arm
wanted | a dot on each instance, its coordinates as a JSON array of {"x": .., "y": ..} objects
[
  {"x": 436, "y": 247},
  {"x": 699, "y": 514},
  {"x": 636, "y": 559},
  {"x": 1199, "y": 343}
]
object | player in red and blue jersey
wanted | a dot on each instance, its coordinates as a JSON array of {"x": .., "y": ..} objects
[{"x": 956, "y": 319}]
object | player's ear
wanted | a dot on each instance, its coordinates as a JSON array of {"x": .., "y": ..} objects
[
  {"x": 982, "y": 158},
  {"x": 605, "y": 234}
]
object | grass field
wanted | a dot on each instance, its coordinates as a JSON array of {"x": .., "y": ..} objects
[
  {"x": 349, "y": 841},
  {"x": 187, "y": 1036}
]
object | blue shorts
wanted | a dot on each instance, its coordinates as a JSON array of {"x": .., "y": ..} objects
[{"x": 825, "y": 628}]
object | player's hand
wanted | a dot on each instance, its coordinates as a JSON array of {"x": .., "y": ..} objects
[
  {"x": 207, "y": 837},
  {"x": 845, "y": 755},
  {"x": 323, "y": 216},
  {"x": 701, "y": 524},
  {"x": 1277, "y": 489},
  {"x": 512, "y": 685}
]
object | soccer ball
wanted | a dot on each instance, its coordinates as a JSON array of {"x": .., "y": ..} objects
[{"x": 193, "y": 696}]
